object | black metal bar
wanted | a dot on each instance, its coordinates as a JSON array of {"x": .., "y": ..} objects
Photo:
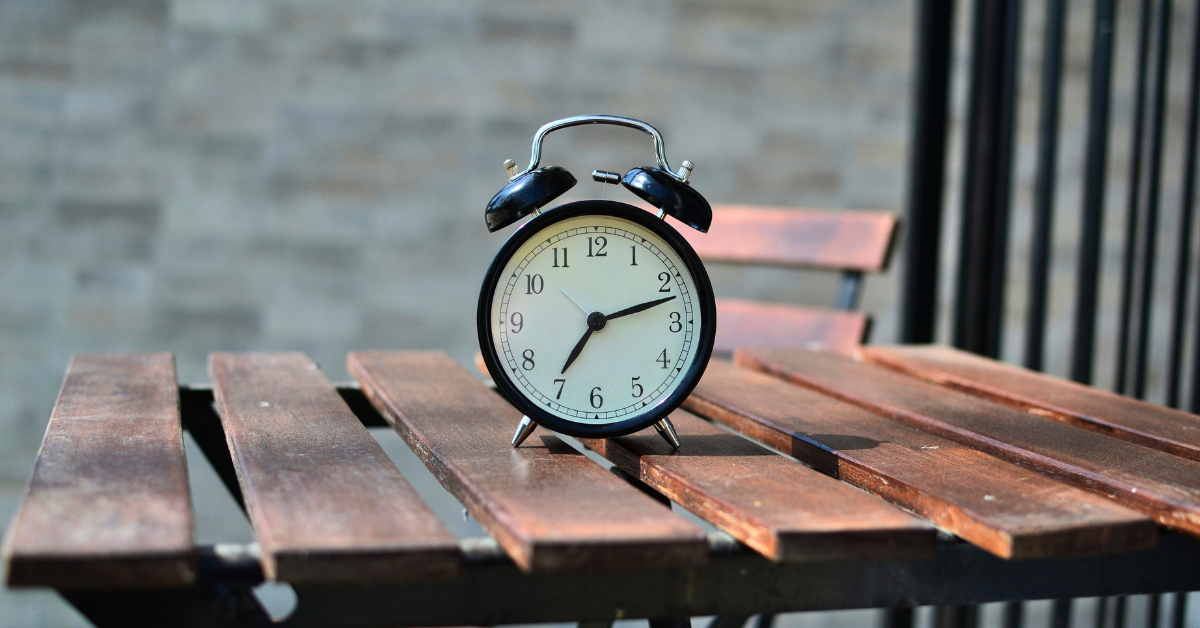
[
  {"x": 956, "y": 616},
  {"x": 1014, "y": 615},
  {"x": 1132, "y": 197},
  {"x": 1102, "y": 612},
  {"x": 1152, "y": 606},
  {"x": 1149, "y": 233},
  {"x": 987, "y": 177},
  {"x": 1060, "y": 613},
  {"x": 729, "y": 621},
  {"x": 362, "y": 407},
  {"x": 1094, "y": 181},
  {"x": 927, "y": 166},
  {"x": 901, "y": 617},
  {"x": 491, "y": 590},
  {"x": 1119, "y": 612},
  {"x": 1184, "y": 237},
  {"x": 1179, "y": 611},
  {"x": 1043, "y": 202},
  {"x": 767, "y": 620},
  {"x": 849, "y": 290},
  {"x": 221, "y": 596},
  {"x": 200, "y": 419}
]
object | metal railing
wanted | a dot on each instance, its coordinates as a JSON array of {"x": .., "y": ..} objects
[{"x": 992, "y": 78}]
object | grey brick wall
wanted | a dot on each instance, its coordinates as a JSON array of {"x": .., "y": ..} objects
[{"x": 205, "y": 175}]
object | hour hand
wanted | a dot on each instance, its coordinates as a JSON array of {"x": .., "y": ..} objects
[
  {"x": 641, "y": 307},
  {"x": 578, "y": 347}
]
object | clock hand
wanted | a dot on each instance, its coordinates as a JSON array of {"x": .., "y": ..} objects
[
  {"x": 578, "y": 347},
  {"x": 596, "y": 322},
  {"x": 637, "y": 308},
  {"x": 575, "y": 302}
]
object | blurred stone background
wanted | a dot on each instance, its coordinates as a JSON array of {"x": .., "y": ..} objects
[{"x": 202, "y": 175}]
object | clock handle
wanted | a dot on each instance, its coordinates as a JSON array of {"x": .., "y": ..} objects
[{"x": 660, "y": 151}]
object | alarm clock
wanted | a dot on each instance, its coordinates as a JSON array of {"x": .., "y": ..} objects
[{"x": 596, "y": 318}]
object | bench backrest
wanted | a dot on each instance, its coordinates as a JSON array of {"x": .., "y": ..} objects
[{"x": 855, "y": 241}]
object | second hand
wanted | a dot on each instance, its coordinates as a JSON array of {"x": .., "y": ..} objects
[{"x": 585, "y": 310}]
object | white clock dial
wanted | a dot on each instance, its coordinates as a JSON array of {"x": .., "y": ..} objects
[{"x": 645, "y": 319}]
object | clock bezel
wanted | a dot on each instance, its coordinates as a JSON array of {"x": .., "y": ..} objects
[{"x": 704, "y": 297}]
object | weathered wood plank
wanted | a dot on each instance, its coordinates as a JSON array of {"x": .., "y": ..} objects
[
  {"x": 108, "y": 505},
  {"x": 1043, "y": 395},
  {"x": 784, "y": 510},
  {"x": 548, "y": 506},
  {"x": 774, "y": 236},
  {"x": 758, "y": 324},
  {"x": 1007, "y": 510},
  {"x": 1161, "y": 485},
  {"x": 325, "y": 501}
]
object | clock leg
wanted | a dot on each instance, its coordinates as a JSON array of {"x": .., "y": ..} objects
[
  {"x": 667, "y": 431},
  {"x": 523, "y": 431}
]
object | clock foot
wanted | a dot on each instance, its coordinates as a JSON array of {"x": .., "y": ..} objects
[
  {"x": 667, "y": 431},
  {"x": 523, "y": 431}
]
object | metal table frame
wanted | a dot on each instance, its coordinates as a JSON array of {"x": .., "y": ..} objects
[{"x": 736, "y": 582}]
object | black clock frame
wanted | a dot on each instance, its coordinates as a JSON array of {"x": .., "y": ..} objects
[{"x": 704, "y": 295}]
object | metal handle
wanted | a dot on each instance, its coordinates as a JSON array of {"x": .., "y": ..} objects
[{"x": 659, "y": 148}]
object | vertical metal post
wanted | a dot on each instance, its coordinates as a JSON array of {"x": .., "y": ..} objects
[
  {"x": 927, "y": 165},
  {"x": 1149, "y": 235},
  {"x": 1134, "y": 193},
  {"x": 1100, "y": 91},
  {"x": 988, "y": 173},
  {"x": 1179, "y": 612},
  {"x": 1060, "y": 614},
  {"x": 1183, "y": 239},
  {"x": 1043, "y": 202}
]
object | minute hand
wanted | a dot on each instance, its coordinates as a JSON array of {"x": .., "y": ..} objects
[{"x": 637, "y": 308}]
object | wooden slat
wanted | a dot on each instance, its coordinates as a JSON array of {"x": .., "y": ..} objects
[
  {"x": 326, "y": 503},
  {"x": 786, "y": 511},
  {"x": 1163, "y": 486},
  {"x": 108, "y": 505},
  {"x": 774, "y": 236},
  {"x": 547, "y": 505},
  {"x": 1006, "y": 510},
  {"x": 758, "y": 324},
  {"x": 1046, "y": 396}
]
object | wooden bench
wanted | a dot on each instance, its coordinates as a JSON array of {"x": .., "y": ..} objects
[
  {"x": 850, "y": 242},
  {"x": 828, "y": 498}
]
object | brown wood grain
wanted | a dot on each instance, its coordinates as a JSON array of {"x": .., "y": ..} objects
[
  {"x": 1161, "y": 485},
  {"x": 108, "y": 505},
  {"x": 1043, "y": 395},
  {"x": 1004, "y": 509},
  {"x": 757, "y": 324},
  {"x": 326, "y": 503},
  {"x": 549, "y": 506},
  {"x": 784, "y": 510},
  {"x": 776, "y": 236}
]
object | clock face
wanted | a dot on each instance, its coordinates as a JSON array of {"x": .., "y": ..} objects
[{"x": 596, "y": 320}]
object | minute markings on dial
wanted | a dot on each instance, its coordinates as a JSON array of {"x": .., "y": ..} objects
[{"x": 539, "y": 256}]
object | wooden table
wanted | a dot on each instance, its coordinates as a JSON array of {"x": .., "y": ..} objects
[{"x": 911, "y": 476}]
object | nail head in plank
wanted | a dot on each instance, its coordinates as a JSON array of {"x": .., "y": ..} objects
[
  {"x": 1043, "y": 395},
  {"x": 1161, "y": 485},
  {"x": 326, "y": 503},
  {"x": 1002, "y": 508},
  {"x": 782, "y": 509},
  {"x": 549, "y": 506},
  {"x": 108, "y": 505}
]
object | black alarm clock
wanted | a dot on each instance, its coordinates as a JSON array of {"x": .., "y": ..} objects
[{"x": 596, "y": 318}]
